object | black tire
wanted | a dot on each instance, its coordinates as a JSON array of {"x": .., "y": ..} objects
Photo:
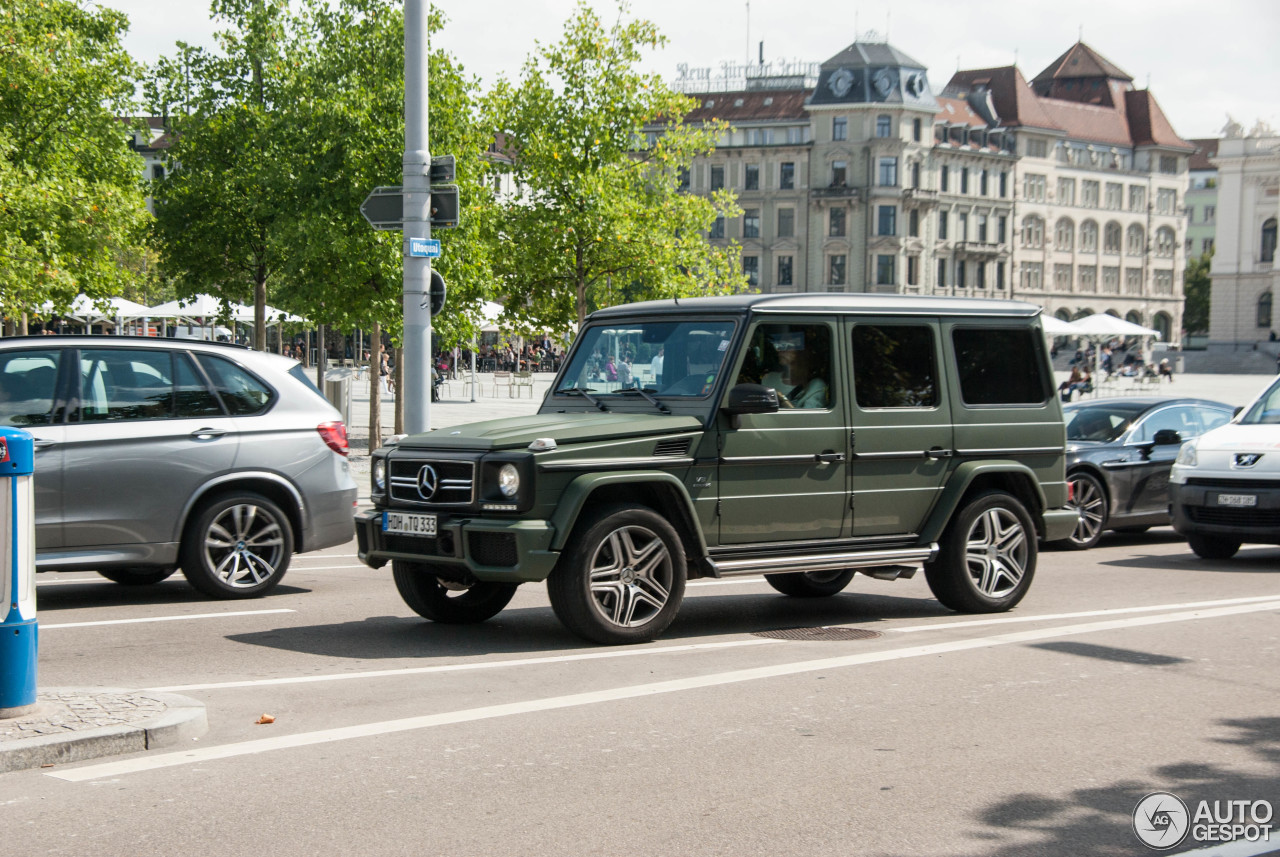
[
  {"x": 811, "y": 584},
  {"x": 136, "y": 576},
  {"x": 1213, "y": 547},
  {"x": 446, "y": 602},
  {"x": 1089, "y": 499},
  {"x": 987, "y": 556},
  {"x": 622, "y": 578},
  {"x": 237, "y": 546},
  {"x": 1130, "y": 531}
]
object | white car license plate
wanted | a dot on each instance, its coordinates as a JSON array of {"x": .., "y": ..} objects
[
  {"x": 1237, "y": 500},
  {"x": 404, "y": 523}
]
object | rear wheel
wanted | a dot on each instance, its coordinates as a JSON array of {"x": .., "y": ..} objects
[
  {"x": 238, "y": 546},
  {"x": 446, "y": 602},
  {"x": 136, "y": 576},
  {"x": 987, "y": 557},
  {"x": 810, "y": 584},
  {"x": 1213, "y": 547},
  {"x": 1089, "y": 499},
  {"x": 622, "y": 578}
]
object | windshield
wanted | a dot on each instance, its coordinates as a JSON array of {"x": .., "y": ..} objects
[
  {"x": 669, "y": 358},
  {"x": 1099, "y": 423},
  {"x": 1265, "y": 411}
]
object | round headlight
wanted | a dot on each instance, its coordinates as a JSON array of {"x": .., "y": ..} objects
[
  {"x": 508, "y": 480},
  {"x": 380, "y": 474}
]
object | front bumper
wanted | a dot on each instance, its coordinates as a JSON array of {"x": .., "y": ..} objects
[
  {"x": 502, "y": 551},
  {"x": 1196, "y": 509}
]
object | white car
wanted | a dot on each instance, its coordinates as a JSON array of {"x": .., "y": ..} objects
[{"x": 1224, "y": 488}]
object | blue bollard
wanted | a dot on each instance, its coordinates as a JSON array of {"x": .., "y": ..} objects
[{"x": 17, "y": 573}]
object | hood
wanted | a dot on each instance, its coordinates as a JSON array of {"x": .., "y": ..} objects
[
  {"x": 1239, "y": 452},
  {"x": 1234, "y": 437},
  {"x": 519, "y": 432}
]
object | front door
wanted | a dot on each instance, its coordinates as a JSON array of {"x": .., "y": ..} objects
[
  {"x": 902, "y": 439},
  {"x": 784, "y": 476}
]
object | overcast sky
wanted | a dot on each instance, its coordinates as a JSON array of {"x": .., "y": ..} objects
[{"x": 1203, "y": 60}]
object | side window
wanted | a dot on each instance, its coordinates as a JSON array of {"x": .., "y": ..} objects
[
  {"x": 241, "y": 393},
  {"x": 194, "y": 398},
  {"x": 28, "y": 380},
  {"x": 1211, "y": 418},
  {"x": 999, "y": 366},
  {"x": 893, "y": 366},
  {"x": 125, "y": 384},
  {"x": 1181, "y": 419},
  {"x": 795, "y": 360}
]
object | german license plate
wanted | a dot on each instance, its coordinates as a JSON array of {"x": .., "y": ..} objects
[
  {"x": 404, "y": 523},
  {"x": 1237, "y": 500}
]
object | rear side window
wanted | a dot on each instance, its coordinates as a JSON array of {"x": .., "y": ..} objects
[
  {"x": 28, "y": 380},
  {"x": 893, "y": 366},
  {"x": 125, "y": 384},
  {"x": 195, "y": 399},
  {"x": 241, "y": 393},
  {"x": 999, "y": 366}
]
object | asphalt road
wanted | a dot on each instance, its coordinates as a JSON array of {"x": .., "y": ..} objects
[{"x": 1130, "y": 669}]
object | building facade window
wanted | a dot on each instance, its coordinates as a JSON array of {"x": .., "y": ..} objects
[
  {"x": 1064, "y": 234},
  {"x": 964, "y": 179},
  {"x": 942, "y": 273},
  {"x": 944, "y": 178},
  {"x": 1062, "y": 278},
  {"x": 980, "y": 275},
  {"x": 1164, "y": 282},
  {"x": 839, "y": 171},
  {"x": 885, "y": 270},
  {"x": 1166, "y": 242},
  {"x": 751, "y": 268},
  {"x": 835, "y": 223},
  {"x": 1133, "y": 281},
  {"x": 888, "y": 172},
  {"x": 717, "y": 228},
  {"x": 962, "y": 226},
  {"x": 1110, "y": 280},
  {"x": 982, "y": 182},
  {"x": 1088, "y": 278},
  {"x": 961, "y": 279},
  {"x": 1037, "y": 149},
  {"x": 1004, "y": 185},
  {"x": 915, "y": 174},
  {"x": 835, "y": 270},
  {"x": 1032, "y": 232},
  {"x": 913, "y": 223},
  {"x": 887, "y": 220},
  {"x": 1168, "y": 164},
  {"x": 787, "y": 176},
  {"x": 1210, "y": 213},
  {"x": 1002, "y": 228},
  {"x": 1066, "y": 191},
  {"x": 751, "y": 177},
  {"x": 1114, "y": 199},
  {"x": 786, "y": 222},
  {"x": 917, "y": 130},
  {"x": 1089, "y": 194},
  {"x": 717, "y": 177},
  {"x": 784, "y": 270},
  {"x": 1206, "y": 245},
  {"x": 1032, "y": 276},
  {"x": 884, "y": 126},
  {"x": 1135, "y": 240},
  {"x": 1264, "y": 310},
  {"x": 1268, "y": 241},
  {"x": 1137, "y": 198},
  {"x": 982, "y": 228},
  {"x": 1033, "y": 187},
  {"x": 1111, "y": 238},
  {"x": 683, "y": 181},
  {"x": 942, "y": 225},
  {"x": 913, "y": 267},
  {"x": 1166, "y": 200},
  {"x": 751, "y": 223},
  {"x": 1000, "y": 275},
  {"x": 839, "y": 128},
  {"x": 1089, "y": 237}
]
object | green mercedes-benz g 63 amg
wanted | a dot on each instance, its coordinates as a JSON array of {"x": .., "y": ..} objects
[{"x": 803, "y": 437}]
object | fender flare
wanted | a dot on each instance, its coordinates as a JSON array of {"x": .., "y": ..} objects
[
  {"x": 960, "y": 482},
  {"x": 576, "y": 495},
  {"x": 226, "y": 479}
]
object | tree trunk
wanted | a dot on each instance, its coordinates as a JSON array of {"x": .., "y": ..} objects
[
  {"x": 260, "y": 311},
  {"x": 398, "y": 355},
  {"x": 322, "y": 357},
  {"x": 375, "y": 390}
]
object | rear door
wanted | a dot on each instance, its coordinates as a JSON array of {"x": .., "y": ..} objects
[
  {"x": 902, "y": 439},
  {"x": 146, "y": 435},
  {"x": 29, "y": 401},
  {"x": 784, "y": 476}
]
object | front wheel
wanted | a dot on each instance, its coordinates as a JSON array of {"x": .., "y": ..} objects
[
  {"x": 448, "y": 603},
  {"x": 136, "y": 576},
  {"x": 810, "y": 584},
  {"x": 987, "y": 557},
  {"x": 1213, "y": 547},
  {"x": 1089, "y": 499},
  {"x": 238, "y": 546},
  {"x": 621, "y": 579}
]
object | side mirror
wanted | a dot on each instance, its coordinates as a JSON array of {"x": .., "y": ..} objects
[
  {"x": 1165, "y": 437},
  {"x": 751, "y": 399}
]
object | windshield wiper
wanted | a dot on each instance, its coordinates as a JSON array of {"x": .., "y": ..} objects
[
  {"x": 584, "y": 392},
  {"x": 647, "y": 393}
]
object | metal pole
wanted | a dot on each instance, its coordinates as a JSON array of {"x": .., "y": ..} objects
[{"x": 416, "y": 182}]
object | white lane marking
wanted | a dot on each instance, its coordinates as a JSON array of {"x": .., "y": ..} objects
[
  {"x": 734, "y": 582},
  {"x": 1239, "y": 848},
  {"x": 366, "y": 730},
  {"x": 474, "y": 665},
  {"x": 1116, "y": 611},
  {"x": 95, "y": 579},
  {"x": 44, "y": 627},
  {"x": 330, "y": 567}
]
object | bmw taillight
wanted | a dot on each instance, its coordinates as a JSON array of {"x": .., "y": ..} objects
[{"x": 334, "y": 435}]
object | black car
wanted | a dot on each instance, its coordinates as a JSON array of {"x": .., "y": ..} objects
[{"x": 1119, "y": 452}]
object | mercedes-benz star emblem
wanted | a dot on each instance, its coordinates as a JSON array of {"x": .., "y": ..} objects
[{"x": 428, "y": 482}]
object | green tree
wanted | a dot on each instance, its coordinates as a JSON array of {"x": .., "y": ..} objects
[
  {"x": 71, "y": 198},
  {"x": 1196, "y": 287},
  {"x": 601, "y": 214}
]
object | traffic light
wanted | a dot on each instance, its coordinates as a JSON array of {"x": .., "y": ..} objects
[
  {"x": 437, "y": 292},
  {"x": 444, "y": 207}
]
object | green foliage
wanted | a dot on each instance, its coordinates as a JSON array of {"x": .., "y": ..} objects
[
  {"x": 1196, "y": 287},
  {"x": 600, "y": 218},
  {"x": 71, "y": 200}
]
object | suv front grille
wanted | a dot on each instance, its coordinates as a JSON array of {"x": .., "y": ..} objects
[
  {"x": 1226, "y": 516},
  {"x": 433, "y": 482}
]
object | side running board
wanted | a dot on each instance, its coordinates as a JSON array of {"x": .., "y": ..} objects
[{"x": 775, "y": 564}]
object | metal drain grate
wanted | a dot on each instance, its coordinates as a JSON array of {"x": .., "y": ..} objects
[{"x": 818, "y": 634}]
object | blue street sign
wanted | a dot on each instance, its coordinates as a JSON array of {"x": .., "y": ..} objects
[{"x": 426, "y": 248}]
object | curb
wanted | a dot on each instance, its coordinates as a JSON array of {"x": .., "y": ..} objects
[{"x": 184, "y": 718}]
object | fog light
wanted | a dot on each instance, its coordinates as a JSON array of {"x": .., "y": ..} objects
[{"x": 508, "y": 480}]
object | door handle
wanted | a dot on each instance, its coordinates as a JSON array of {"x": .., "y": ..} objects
[
  {"x": 938, "y": 452},
  {"x": 208, "y": 432},
  {"x": 828, "y": 457},
  {"x": 44, "y": 444}
]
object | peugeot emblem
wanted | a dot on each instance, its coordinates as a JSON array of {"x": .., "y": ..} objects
[
  {"x": 428, "y": 482},
  {"x": 1247, "y": 459}
]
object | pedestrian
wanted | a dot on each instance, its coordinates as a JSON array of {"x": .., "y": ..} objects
[
  {"x": 656, "y": 367},
  {"x": 1165, "y": 370}
]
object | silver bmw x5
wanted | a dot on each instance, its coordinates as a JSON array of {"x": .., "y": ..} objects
[{"x": 154, "y": 454}]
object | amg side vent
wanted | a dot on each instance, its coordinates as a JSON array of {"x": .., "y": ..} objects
[{"x": 676, "y": 448}]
